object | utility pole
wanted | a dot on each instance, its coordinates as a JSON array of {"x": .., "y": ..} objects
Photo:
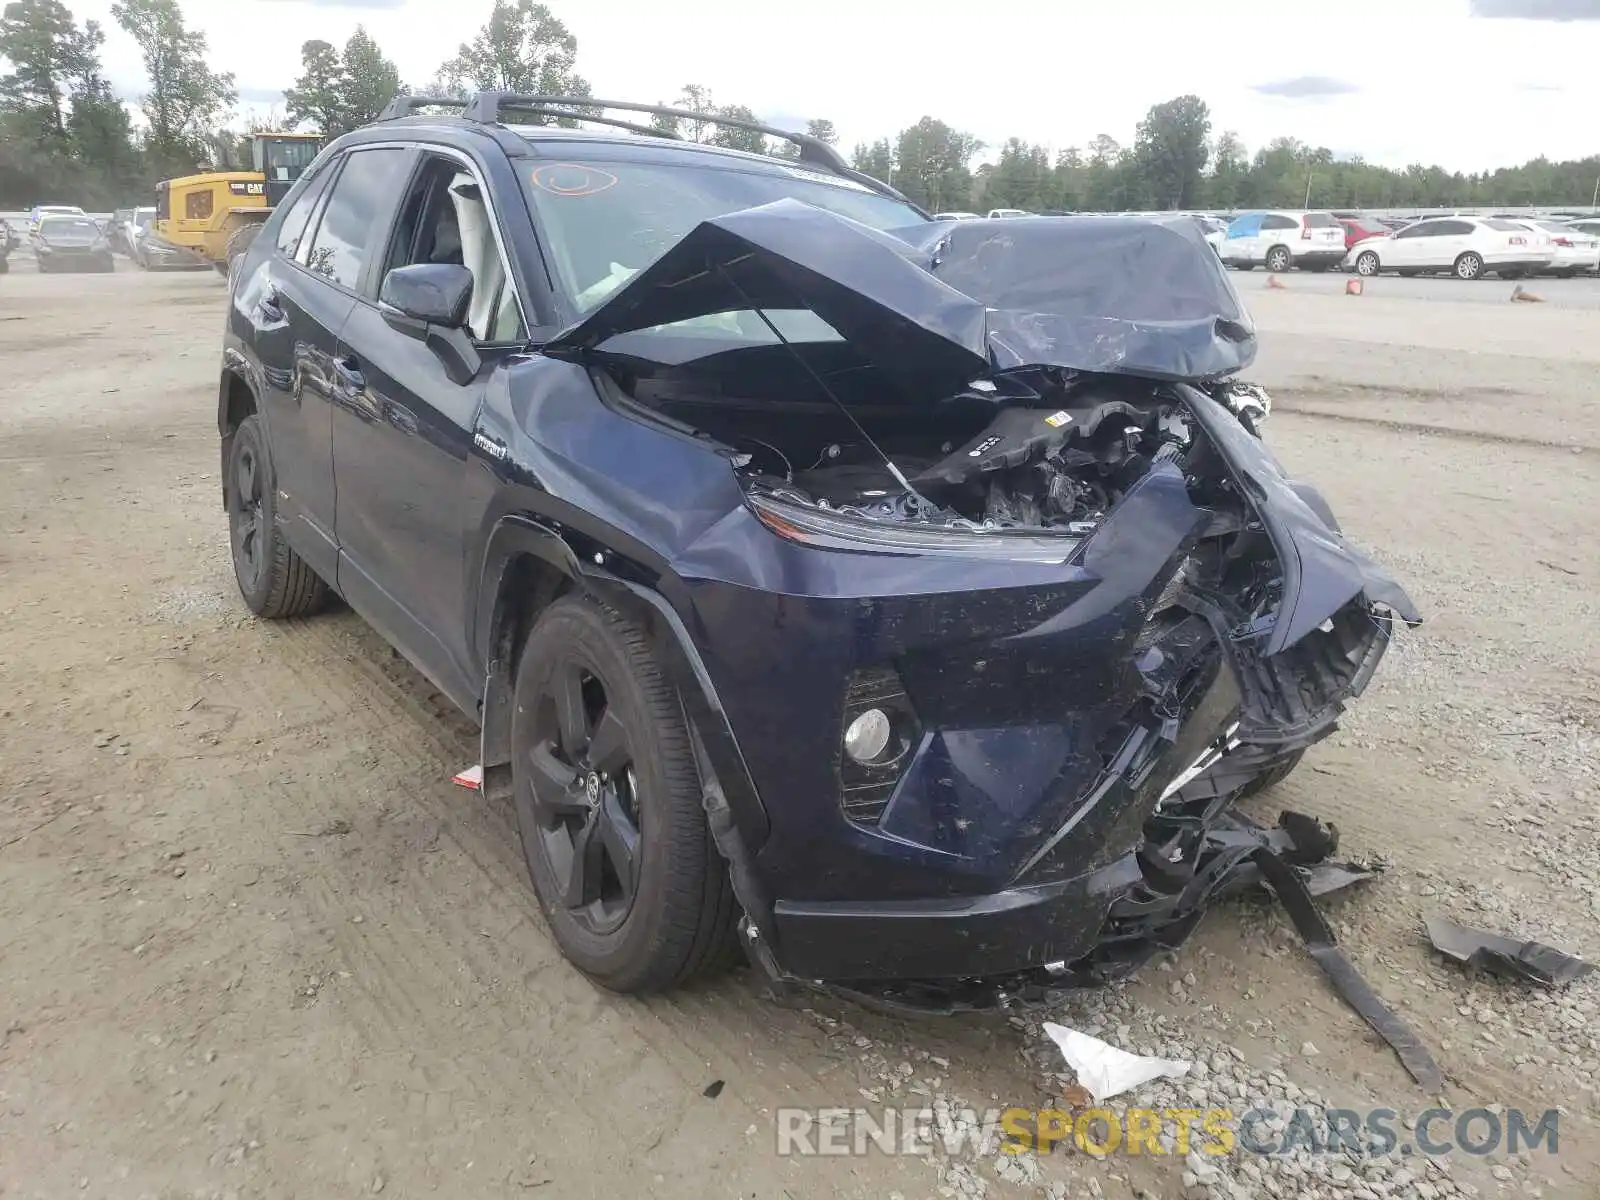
[{"x": 1309, "y": 177}]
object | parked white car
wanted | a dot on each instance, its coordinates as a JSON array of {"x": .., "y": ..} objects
[
  {"x": 1009, "y": 212},
  {"x": 1213, "y": 229},
  {"x": 1283, "y": 239},
  {"x": 1466, "y": 247},
  {"x": 955, "y": 216},
  {"x": 1572, "y": 251}
]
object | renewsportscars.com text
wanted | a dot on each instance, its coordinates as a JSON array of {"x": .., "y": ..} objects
[{"x": 1372, "y": 1133}]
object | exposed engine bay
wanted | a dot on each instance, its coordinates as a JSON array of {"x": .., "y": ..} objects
[{"x": 1057, "y": 454}]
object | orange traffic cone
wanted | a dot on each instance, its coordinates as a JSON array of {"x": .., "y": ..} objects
[{"x": 1353, "y": 287}]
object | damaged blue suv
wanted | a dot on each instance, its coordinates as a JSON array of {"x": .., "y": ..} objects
[{"x": 906, "y": 602}]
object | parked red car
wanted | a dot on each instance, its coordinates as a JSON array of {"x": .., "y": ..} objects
[{"x": 1359, "y": 229}]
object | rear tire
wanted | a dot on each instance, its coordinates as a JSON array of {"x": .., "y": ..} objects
[
  {"x": 274, "y": 581},
  {"x": 609, "y": 808},
  {"x": 1278, "y": 259},
  {"x": 1470, "y": 266}
]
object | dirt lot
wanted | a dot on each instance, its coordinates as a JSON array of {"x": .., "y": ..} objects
[{"x": 254, "y": 944}]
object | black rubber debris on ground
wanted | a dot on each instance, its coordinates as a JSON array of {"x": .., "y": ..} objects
[
  {"x": 1531, "y": 962},
  {"x": 1315, "y": 932}
]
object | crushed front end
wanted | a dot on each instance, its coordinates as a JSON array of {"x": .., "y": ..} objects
[{"x": 1006, "y": 624}]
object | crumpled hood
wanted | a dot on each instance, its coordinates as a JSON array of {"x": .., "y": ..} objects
[{"x": 936, "y": 305}]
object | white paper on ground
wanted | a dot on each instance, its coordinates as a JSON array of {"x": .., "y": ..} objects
[{"x": 1103, "y": 1070}]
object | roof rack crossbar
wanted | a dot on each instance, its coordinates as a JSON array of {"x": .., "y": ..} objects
[
  {"x": 406, "y": 106},
  {"x": 485, "y": 108}
]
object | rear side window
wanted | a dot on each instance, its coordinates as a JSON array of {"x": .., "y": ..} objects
[
  {"x": 299, "y": 214},
  {"x": 1321, "y": 220},
  {"x": 1454, "y": 228},
  {"x": 1504, "y": 226},
  {"x": 1277, "y": 222},
  {"x": 363, "y": 190}
]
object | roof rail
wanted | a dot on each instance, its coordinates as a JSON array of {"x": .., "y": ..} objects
[{"x": 486, "y": 106}]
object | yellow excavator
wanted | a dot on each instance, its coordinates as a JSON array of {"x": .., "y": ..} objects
[{"x": 213, "y": 217}]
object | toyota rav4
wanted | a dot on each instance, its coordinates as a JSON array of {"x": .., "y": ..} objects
[{"x": 906, "y": 601}]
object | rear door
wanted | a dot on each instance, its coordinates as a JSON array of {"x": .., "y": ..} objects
[
  {"x": 403, "y": 429},
  {"x": 299, "y": 305},
  {"x": 1451, "y": 239}
]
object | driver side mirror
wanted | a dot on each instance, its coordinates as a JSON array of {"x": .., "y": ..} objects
[{"x": 428, "y": 301}]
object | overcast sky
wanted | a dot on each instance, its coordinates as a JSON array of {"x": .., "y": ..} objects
[{"x": 1467, "y": 84}]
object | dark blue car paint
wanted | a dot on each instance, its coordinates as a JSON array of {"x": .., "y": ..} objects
[{"x": 420, "y": 497}]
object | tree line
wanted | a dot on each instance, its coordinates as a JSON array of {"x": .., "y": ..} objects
[{"x": 65, "y": 137}]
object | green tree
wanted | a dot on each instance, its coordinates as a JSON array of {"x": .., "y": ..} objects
[
  {"x": 48, "y": 54},
  {"x": 1170, "y": 151},
  {"x": 1021, "y": 178},
  {"x": 822, "y": 129},
  {"x": 337, "y": 92},
  {"x": 876, "y": 159},
  {"x": 370, "y": 79},
  {"x": 186, "y": 97},
  {"x": 1229, "y": 166},
  {"x": 931, "y": 165},
  {"x": 523, "y": 48},
  {"x": 735, "y": 138},
  {"x": 318, "y": 95}
]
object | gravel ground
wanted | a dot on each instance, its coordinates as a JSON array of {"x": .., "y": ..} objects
[{"x": 255, "y": 945}]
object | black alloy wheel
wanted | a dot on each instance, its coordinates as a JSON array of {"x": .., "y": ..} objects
[
  {"x": 585, "y": 797},
  {"x": 274, "y": 581},
  {"x": 248, "y": 521},
  {"x": 610, "y": 808}
]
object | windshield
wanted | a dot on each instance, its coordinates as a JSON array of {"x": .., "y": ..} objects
[
  {"x": 81, "y": 228},
  {"x": 604, "y": 223}
]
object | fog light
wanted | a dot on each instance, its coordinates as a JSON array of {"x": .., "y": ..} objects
[{"x": 867, "y": 737}]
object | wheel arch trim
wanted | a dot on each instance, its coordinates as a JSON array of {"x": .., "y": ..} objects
[{"x": 494, "y": 646}]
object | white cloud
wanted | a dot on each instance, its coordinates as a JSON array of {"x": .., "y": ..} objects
[{"x": 1057, "y": 74}]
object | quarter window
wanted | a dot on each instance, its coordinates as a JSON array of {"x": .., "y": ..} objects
[
  {"x": 362, "y": 190},
  {"x": 299, "y": 214}
]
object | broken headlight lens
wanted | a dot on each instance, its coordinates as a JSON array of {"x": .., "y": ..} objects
[{"x": 841, "y": 531}]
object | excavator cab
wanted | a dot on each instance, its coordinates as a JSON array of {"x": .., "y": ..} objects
[
  {"x": 212, "y": 217},
  {"x": 280, "y": 159}
]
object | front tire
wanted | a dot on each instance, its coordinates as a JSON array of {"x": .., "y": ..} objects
[
  {"x": 1273, "y": 776},
  {"x": 1278, "y": 259},
  {"x": 1469, "y": 266},
  {"x": 609, "y": 807},
  {"x": 274, "y": 581},
  {"x": 1367, "y": 264}
]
